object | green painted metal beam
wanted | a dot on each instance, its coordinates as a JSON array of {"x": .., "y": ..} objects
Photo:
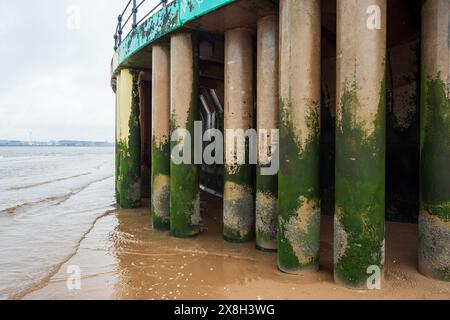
[{"x": 171, "y": 17}]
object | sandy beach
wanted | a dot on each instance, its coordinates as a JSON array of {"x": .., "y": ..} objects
[{"x": 121, "y": 257}]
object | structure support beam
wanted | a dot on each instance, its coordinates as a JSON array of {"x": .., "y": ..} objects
[
  {"x": 117, "y": 131},
  {"x": 299, "y": 199},
  {"x": 184, "y": 173},
  {"x": 360, "y": 142},
  {"x": 267, "y": 121},
  {"x": 161, "y": 136},
  {"x": 434, "y": 218},
  {"x": 128, "y": 140},
  {"x": 238, "y": 205}
]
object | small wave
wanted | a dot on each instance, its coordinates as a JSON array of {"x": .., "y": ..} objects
[
  {"x": 43, "y": 281},
  {"x": 48, "y": 182},
  {"x": 21, "y": 157},
  {"x": 54, "y": 200}
]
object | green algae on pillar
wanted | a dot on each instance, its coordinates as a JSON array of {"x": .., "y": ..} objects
[
  {"x": 298, "y": 183},
  {"x": 161, "y": 136},
  {"x": 267, "y": 120},
  {"x": 238, "y": 204},
  {"x": 184, "y": 184},
  {"x": 434, "y": 218},
  {"x": 128, "y": 143},
  {"x": 360, "y": 143},
  {"x": 117, "y": 149}
]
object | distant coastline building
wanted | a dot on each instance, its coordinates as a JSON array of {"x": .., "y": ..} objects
[{"x": 359, "y": 90}]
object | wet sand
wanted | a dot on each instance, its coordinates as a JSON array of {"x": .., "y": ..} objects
[{"x": 123, "y": 258}]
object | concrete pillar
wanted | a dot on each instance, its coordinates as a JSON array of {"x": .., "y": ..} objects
[
  {"x": 360, "y": 142},
  {"x": 128, "y": 144},
  {"x": 238, "y": 205},
  {"x": 267, "y": 120},
  {"x": 434, "y": 218},
  {"x": 184, "y": 184},
  {"x": 298, "y": 184},
  {"x": 161, "y": 136},
  {"x": 117, "y": 149}
]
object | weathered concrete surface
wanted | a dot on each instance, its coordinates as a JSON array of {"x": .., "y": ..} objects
[
  {"x": 238, "y": 207},
  {"x": 434, "y": 218},
  {"x": 161, "y": 137},
  {"x": 184, "y": 184},
  {"x": 267, "y": 120},
  {"x": 117, "y": 132},
  {"x": 299, "y": 199},
  {"x": 360, "y": 141},
  {"x": 128, "y": 140}
]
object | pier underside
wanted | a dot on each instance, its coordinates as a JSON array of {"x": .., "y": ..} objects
[{"x": 359, "y": 90}]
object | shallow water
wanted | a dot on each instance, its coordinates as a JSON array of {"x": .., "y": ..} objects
[
  {"x": 50, "y": 197},
  {"x": 123, "y": 258},
  {"x": 57, "y": 210}
]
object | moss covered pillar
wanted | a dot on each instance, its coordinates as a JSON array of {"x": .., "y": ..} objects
[
  {"x": 267, "y": 121},
  {"x": 360, "y": 142},
  {"x": 434, "y": 218},
  {"x": 298, "y": 184},
  {"x": 117, "y": 129},
  {"x": 161, "y": 136},
  {"x": 184, "y": 176},
  {"x": 238, "y": 205},
  {"x": 128, "y": 140}
]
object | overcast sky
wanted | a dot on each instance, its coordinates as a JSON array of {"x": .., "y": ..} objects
[{"x": 55, "y": 77}]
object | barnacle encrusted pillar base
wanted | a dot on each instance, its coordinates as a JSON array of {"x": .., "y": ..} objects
[
  {"x": 161, "y": 137},
  {"x": 238, "y": 204},
  {"x": 298, "y": 183},
  {"x": 267, "y": 120},
  {"x": 434, "y": 218},
  {"x": 128, "y": 140},
  {"x": 184, "y": 176},
  {"x": 360, "y": 143}
]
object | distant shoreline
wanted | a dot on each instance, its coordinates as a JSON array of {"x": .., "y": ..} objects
[
  {"x": 50, "y": 146},
  {"x": 61, "y": 143}
]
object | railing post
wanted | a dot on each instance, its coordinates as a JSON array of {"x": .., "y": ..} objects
[
  {"x": 164, "y": 2},
  {"x": 134, "y": 14},
  {"x": 120, "y": 30}
]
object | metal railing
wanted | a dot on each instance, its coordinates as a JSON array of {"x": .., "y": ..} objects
[{"x": 130, "y": 13}]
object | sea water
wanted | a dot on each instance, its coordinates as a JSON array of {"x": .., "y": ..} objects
[{"x": 49, "y": 199}]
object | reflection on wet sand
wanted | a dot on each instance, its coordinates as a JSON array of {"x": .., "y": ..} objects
[
  {"x": 155, "y": 265},
  {"x": 123, "y": 258}
]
